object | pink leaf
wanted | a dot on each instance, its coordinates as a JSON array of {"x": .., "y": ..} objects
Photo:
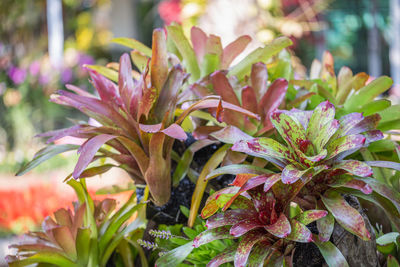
[
  {"x": 107, "y": 90},
  {"x": 126, "y": 85},
  {"x": 299, "y": 233},
  {"x": 281, "y": 228},
  {"x": 232, "y": 50},
  {"x": 175, "y": 131},
  {"x": 199, "y": 40},
  {"x": 355, "y": 167},
  {"x": 245, "y": 226}
]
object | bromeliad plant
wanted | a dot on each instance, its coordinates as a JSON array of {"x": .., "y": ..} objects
[
  {"x": 136, "y": 118},
  {"x": 314, "y": 173},
  {"x": 88, "y": 236}
]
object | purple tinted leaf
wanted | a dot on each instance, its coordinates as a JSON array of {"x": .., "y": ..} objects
[
  {"x": 359, "y": 185},
  {"x": 384, "y": 164},
  {"x": 230, "y": 135},
  {"x": 88, "y": 150},
  {"x": 150, "y": 128},
  {"x": 78, "y": 90},
  {"x": 232, "y": 50},
  {"x": 310, "y": 216},
  {"x": 372, "y": 136},
  {"x": 246, "y": 245},
  {"x": 175, "y": 131},
  {"x": 281, "y": 228},
  {"x": 236, "y": 169},
  {"x": 224, "y": 257},
  {"x": 345, "y": 215},
  {"x": 245, "y": 226},
  {"x": 291, "y": 174},
  {"x": 327, "y": 131},
  {"x": 347, "y": 122},
  {"x": 355, "y": 167},
  {"x": 211, "y": 235},
  {"x": 271, "y": 180},
  {"x": 367, "y": 124},
  {"x": 345, "y": 143},
  {"x": 299, "y": 233},
  {"x": 57, "y": 134},
  {"x": 325, "y": 227}
]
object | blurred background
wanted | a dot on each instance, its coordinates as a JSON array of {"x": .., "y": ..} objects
[{"x": 45, "y": 44}]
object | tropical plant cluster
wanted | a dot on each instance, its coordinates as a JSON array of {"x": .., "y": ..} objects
[{"x": 298, "y": 151}]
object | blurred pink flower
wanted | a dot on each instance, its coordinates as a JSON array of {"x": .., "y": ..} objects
[
  {"x": 66, "y": 76},
  {"x": 34, "y": 68},
  {"x": 17, "y": 75},
  {"x": 170, "y": 11}
]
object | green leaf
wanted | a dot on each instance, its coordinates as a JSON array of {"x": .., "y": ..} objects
[
  {"x": 392, "y": 262},
  {"x": 261, "y": 54},
  {"x": 175, "y": 256},
  {"x": 374, "y": 107},
  {"x": 44, "y": 257},
  {"x": 83, "y": 245},
  {"x": 175, "y": 32},
  {"x": 210, "y": 64},
  {"x": 45, "y": 154},
  {"x": 331, "y": 254},
  {"x": 106, "y": 72},
  {"x": 134, "y": 44},
  {"x": 368, "y": 93},
  {"x": 310, "y": 216}
]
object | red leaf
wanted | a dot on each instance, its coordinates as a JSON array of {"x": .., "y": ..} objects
[
  {"x": 272, "y": 99},
  {"x": 230, "y": 135},
  {"x": 175, "y": 131},
  {"x": 249, "y": 99},
  {"x": 232, "y": 50},
  {"x": 88, "y": 150},
  {"x": 199, "y": 40}
]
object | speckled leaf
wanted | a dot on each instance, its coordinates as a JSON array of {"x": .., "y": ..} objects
[
  {"x": 290, "y": 130},
  {"x": 385, "y": 191},
  {"x": 372, "y": 136},
  {"x": 266, "y": 148},
  {"x": 324, "y": 113},
  {"x": 331, "y": 254},
  {"x": 259, "y": 253},
  {"x": 345, "y": 143},
  {"x": 229, "y": 217},
  {"x": 345, "y": 215},
  {"x": 300, "y": 232},
  {"x": 245, "y": 226},
  {"x": 281, "y": 228},
  {"x": 291, "y": 174},
  {"x": 359, "y": 185},
  {"x": 211, "y": 235},
  {"x": 310, "y": 216},
  {"x": 327, "y": 131},
  {"x": 355, "y": 167},
  {"x": 246, "y": 245},
  {"x": 224, "y": 257},
  {"x": 241, "y": 179},
  {"x": 325, "y": 227},
  {"x": 211, "y": 205},
  {"x": 347, "y": 122}
]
